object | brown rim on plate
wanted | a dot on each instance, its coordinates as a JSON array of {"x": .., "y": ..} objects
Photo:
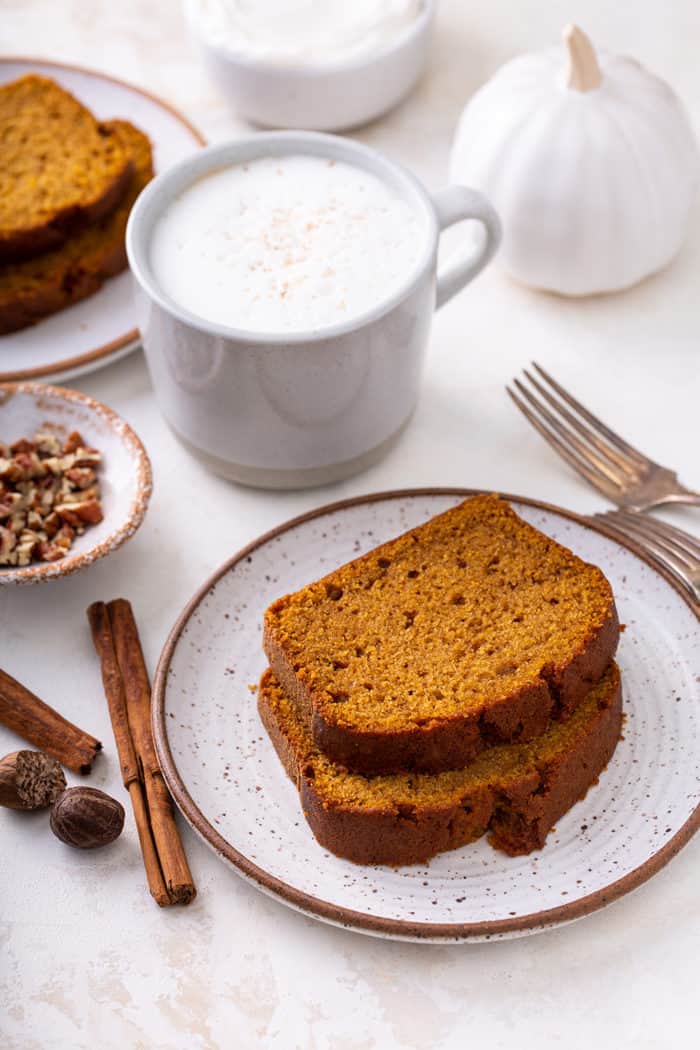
[
  {"x": 132, "y": 336},
  {"x": 41, "y": 571},
  {"x": 314, "y": 906}
]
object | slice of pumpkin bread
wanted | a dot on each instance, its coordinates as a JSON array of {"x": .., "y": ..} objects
[
  {"x": 60, "y": 167},
  {"x": 472, "y": 629},
  {"x": 517, "y": 792},
  {"x": 34, "y": 288}
]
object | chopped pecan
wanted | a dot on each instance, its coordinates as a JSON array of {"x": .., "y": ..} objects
[
  {"x": 67, "y": 514},
  {"x": 48, "y": 551},
  {"x": 9, "y": 470},
  {"x": 8, "y": 542},
  {"x": 23, "y": 445},
  {"x": 55, "y": 465},
  {"x": 17, "y": 522},
  {"x": 52, "y": 524},
  {"x": 10, "y": 504},
  {"x": 27, "y": 543},
  {"x": 64, "y": 537},
  {"x": 88, "y": 510},
  {"x": 81, "y": 477},
  {"x": 29, "y": 464},
  {"x": 48, "y": 444},
  {"x": 49, "y": 493},
  {"x": 72, "y": 442},
  {"x": 87, "y": 457},
  {"x": 35, "y": 520}
]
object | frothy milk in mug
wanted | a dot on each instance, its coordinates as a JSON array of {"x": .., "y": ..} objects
[{"x": 286, "y": 244}]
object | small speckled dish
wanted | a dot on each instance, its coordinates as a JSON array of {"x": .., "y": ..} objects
[
  {"x": 125, "y": 474},
  {"x": 227, "y": 779}
]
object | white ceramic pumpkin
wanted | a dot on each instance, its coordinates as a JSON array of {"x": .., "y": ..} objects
[{"x": 591, "y": 163}]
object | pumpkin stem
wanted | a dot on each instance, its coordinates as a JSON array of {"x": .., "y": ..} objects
[{"x": 584, "y": 72}]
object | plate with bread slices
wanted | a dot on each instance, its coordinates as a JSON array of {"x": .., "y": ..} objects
[
  {"x": 418, "y": 715},
  {"x": 78, "y": 147}
]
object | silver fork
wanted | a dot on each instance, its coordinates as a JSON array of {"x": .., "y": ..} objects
[
  {"x": 677, "y": 551},
  {"x": 602, "y": 457}
]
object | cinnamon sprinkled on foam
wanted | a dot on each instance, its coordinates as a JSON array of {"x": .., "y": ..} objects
[{"x": 286, "y": 245}]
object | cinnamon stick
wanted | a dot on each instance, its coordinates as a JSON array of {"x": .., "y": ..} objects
[
  {"x": 27, "y": 715},
  {"x": 137, "y": 689},
  {"x": 128, "y": 692},
  {"x": 116, "y": 702},
  {"x": 154, "y": 874}
]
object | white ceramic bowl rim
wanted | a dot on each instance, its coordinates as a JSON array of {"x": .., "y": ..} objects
[
  {"x": 165, "y": 187},
  {"x": 414, "y": 29}
]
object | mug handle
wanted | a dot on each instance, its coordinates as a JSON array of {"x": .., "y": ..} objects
[{"x": 455, "y": 204}]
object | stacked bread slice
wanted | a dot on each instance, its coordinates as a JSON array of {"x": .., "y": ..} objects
[
  {"x": 67, "y": 185},
  {"x": 456, "y": 680}
]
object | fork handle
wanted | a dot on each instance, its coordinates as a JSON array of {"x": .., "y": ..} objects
[
  {"x": 687, "y": 497},
  {"x": 684, "y": 497}
]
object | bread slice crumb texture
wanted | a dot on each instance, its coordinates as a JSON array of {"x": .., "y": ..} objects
[
  {"x": 34, "y": 288},
  {"x": 59, "y": 166},
  {"x": 495, "y": 766},
  {"x": 517, "y": 791},
  {"x": 458, "y": 614}
]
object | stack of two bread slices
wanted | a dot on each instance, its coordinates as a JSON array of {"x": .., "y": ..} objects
[
  {"x": 67, "y": 184},
  {"x": 457, "y": 680}
]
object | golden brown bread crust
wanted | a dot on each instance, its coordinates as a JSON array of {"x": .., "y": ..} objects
[
  {"x": 35, "y": 288},
  {"x": 518, "y": 808},
  {"x": 61, "y": 168},
  {"x": 445, "y": 742}
]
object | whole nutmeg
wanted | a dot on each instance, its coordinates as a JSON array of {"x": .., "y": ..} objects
[
  {"x": 30, "y": 780},
  {"x": 86, "y": 818}
]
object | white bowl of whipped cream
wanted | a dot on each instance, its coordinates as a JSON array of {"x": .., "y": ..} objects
[{"x": 325, "y": 65}]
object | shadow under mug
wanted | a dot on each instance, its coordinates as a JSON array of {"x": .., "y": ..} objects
[{"x": 298, "y": 409}]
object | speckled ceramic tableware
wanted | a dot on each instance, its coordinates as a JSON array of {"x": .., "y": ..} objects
[
  {"x": 227, "y": 779},
  {"x": 125, "y": 474},
  {"x": 303, "y": 408},
  {"x": 102, "y": 328}
]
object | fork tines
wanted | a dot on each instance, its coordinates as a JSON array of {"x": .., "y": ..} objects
[
  {"x": 605, "y": 459},
  {"x": 678, "y": 551}
]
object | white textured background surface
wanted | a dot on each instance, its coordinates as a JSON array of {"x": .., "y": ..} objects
[{"x": 86, "y": 959}]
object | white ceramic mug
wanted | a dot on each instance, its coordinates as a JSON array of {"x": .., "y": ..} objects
[{"x": 308, "y": 408}]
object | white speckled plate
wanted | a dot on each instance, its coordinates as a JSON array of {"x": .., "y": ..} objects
[
  {"x": 226, "y": 778},
  {"x": 102, "y": 328},
  {"x": 125, "y": 474}
]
